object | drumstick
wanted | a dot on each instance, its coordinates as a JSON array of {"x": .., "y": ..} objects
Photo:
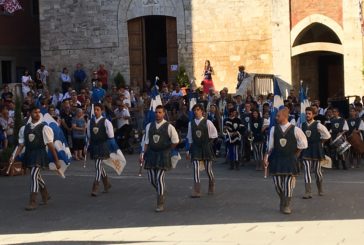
[{"x": 265, "y": 172}]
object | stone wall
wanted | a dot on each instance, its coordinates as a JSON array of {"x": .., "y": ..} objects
[{"x": 231, "y": 33}]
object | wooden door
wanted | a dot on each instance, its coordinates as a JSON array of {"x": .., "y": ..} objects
[
  {"x": 172, "y": 47},
  {"x": 136, "y": 51}
]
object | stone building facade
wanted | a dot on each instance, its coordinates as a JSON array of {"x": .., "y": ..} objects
[{"x": 293, "y": 39}]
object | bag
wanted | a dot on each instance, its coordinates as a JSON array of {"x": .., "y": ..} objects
[{"x": 15, "y": 170}]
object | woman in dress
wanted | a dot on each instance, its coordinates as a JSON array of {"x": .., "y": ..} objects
[
  {"x": 207, "y": 81},
  {"x": 26, "y": 81}
]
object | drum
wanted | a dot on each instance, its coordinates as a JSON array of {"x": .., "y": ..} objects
[
  {"x": 356, "y": 142},
  {"x": 340, "y": 144}
]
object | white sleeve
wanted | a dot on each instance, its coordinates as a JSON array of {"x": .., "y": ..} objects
[
  {"x": 271, "y": 139},
  {"x": 48, "y": 135},
  {"x": 211, "y": 130},
  {"x": 265, "y": 122},
  {"x": 21, "y": 135},
  {"x": 301, "y": 138},
  {"x": 345, "y": 127},
  {"x": 146, "y": 142},
  {"x": 109, "y": 129},
  {"x": 361, "y": 125},
  {"x": 189, "y": 134},
  {"x": 325, "y": 134},
  {"x": 173, "y": 134}
]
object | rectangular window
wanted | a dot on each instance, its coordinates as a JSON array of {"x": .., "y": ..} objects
[{"x": 6, "y": 70}]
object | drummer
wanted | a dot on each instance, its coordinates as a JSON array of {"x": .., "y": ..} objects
[
  {"x": 354, "y": 123},
  {"x": 338, "y": 126}
]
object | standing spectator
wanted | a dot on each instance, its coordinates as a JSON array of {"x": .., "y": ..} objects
[
  {"x": 98, "y": 93},
  {"x": 57, "y": 98},
  {"x": 7, "y": 124},
  {"x": 65, "y": 79},
  {"x": 122, "y": 116},
  {"x": 241, "y": 76},
  {"x": 78, "y": 134},
  {"x": 6, "y": 95},
  {"x": 42, "y": 78},
  {"x": 3, "y": 139},
  {"x": 26, "y": 81},
  {"x": 207, "y": 82},
  {"x": 80, "y": 77},
  {"x": 103, "y": 76},
  {"x": 66, "y": 120}
]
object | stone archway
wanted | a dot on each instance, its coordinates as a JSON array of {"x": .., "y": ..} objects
[{"x": 317, "y": 57}]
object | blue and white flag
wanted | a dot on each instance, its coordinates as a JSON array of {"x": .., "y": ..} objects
[
  {"x": 155, "y": 101},
  {"x": 116, "y": 160},
  {"x": 60, "y": 144},
  {"x": 192, "y": 101},
  {"x": 278, "y": 103},
  {"x": 304, "y": 104}
]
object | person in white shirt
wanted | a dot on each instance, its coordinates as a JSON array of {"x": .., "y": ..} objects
[
  {"x": 42, "y": 78},
  {"x": 65, "y": 79},
  {"x": 284, "y": 146},
  {"x": 200, "y": 135},
  {"x": 57, "y": 98},
  {"x": 316, "y": 134},
  {"x": 122, "y": 117},
  {"x": 26, "y": 81},
  {"x": 160, "y": 138},
  {"x": 99, "y": 130}
]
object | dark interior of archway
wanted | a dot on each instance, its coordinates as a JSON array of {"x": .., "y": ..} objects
[
  {"x": 321, "y": 72},
  {"x": 331, "y": 76},
  {"x": 317, "y": 32},
  {"x": 156, "y": 47}
]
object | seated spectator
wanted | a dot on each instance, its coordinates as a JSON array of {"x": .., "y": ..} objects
[{"x": 78, "y": 134}]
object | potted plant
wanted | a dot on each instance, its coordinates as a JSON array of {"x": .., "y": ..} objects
[{"x": 119, "y": 80}]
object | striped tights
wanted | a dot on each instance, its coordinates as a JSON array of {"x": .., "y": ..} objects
[
  {"x": 100, "y": 171},
  {"x": 284, "y": 184},
  {"x": 156, "y": 178},
  {"x": 317, "y": 168},
  {"x": 36, "y": 179},
  {"x": 208, "y": 167}
]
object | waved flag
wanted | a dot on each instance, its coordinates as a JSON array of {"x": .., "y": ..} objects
[
  {"x": 116, "y": 160},
  {"x": 155, "y": 101},
  {"x": 304, "y": 104},
  {"x": 278, "y": 103},
  {"x": 60, "y": 144}
]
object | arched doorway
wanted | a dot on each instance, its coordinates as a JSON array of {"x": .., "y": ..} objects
[
  {"x": 153, "y": 49},
  {"x": 317, "y": 60}
]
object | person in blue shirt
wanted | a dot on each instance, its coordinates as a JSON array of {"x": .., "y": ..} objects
[
  {"x": 79, "y": 76},
  {"x": 98, "y": 93}
]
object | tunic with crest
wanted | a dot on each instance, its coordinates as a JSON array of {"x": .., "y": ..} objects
[
  {"x": 158, "y": 154},
  {"x": 283, "y": 160},
  {"x": 256, "y": 126},
  {"x": 98, "y": 139},
  {"x": 201, "y": 148},
  {"x": 353, "y": 123},
  {"x": 337, "y": 126},
  {"x": 35, "y": 148},
  {"x": 314, "y": 150}
]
